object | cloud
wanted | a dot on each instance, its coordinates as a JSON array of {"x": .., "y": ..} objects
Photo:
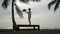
[
  {"x": 5, "y": 22},
  {"x": 5, "y": 12}
]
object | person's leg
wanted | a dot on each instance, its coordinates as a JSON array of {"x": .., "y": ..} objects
[{"x": 29, "y": 18}]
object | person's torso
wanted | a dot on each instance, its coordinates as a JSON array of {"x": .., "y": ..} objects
[{"x": 29, "y": 13}]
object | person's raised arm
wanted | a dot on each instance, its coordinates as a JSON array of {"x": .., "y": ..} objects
[{"x": 26, "y": 12}]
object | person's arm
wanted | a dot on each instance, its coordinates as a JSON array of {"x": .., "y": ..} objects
[{"x": 26, "y": 12}]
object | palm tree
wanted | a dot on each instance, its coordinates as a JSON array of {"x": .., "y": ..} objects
[
  {"x": 5, "y": 5},
  {"x": 56, "y": 2}
]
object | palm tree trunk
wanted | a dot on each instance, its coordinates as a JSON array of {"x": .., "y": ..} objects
[{"x": 13, "y": 20}]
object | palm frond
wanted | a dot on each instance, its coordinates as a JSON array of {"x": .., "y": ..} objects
[
  {"x": 56, "y": 6},
  {"x": 51, "y": 3},
  {"x": 25, "y": 1},
  {"x": 19, "y": 11},
  {"x": 5, "y": 3},
  {"x": 14, "y": 0},
  {"x": 59, "y": 1}
]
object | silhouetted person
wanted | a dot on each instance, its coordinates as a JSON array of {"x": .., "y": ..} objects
[{"x": 29, "y": 15}]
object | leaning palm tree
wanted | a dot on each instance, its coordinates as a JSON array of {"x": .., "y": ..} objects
[
  {"x": 5, "y": 5},
  {"x": 56, "y": 2}
]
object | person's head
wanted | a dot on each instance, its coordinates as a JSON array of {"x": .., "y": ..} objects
[{"x": 29, "y": 9}]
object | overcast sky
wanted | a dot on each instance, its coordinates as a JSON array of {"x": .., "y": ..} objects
[{"x": 41, "y": 15}]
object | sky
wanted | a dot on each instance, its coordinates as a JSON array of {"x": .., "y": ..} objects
[{"x": 41, "y": 15}]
